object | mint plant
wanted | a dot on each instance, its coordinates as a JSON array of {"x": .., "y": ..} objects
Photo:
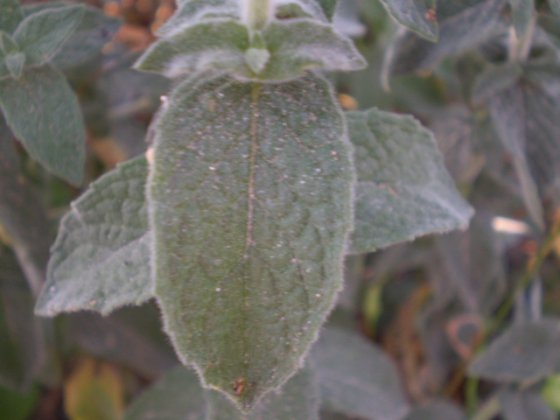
[{"x": 254, "y": 189}]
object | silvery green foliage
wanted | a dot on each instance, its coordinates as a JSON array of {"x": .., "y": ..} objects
[
  {"x": 524, "y": 405},
  {"x": 30, "y": 84},
  {"x": 104, "y": 242},
  {"x": 403, "y": 189},
  {"x": 178, "y": 395},
  {"x": 524, "y": 353},
  {"x": 250, "y": 197},
  {"x": 418, "y": 16},
  {"x": 356, "y": 378},
  {"x": 554, "y": 6},
  {"x": 462, "y": 26},
  {"x": 250, "y": 214}
]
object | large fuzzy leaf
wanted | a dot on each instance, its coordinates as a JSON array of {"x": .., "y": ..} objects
[
  {"x": 100, "y": 260},
  {"x": 356, "y": 378},
  {"x": 404, "y": 190},
  {"x": 41, "y": 34},
  {"x": 418, "y": 16},
  {"x": 525, "y": 352},
  {"x": 250, "y": 198},
  {"x": 44, "y": 115}
]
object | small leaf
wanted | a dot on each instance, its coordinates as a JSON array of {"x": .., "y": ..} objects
[
  {"x": 92, "y": 33},
  {"x": 7, "y": 44},
  {"x": 465, "y": 29},
  {"x": 403, "y": 190},
  {"x": 131, "y": 337},
  {"x": 418, "y": 16},
  {"x": 196, "y": 11},
  {"x": 356, "y": 378},
  {"x": 94, "y": 391},
  {"x": 509, "y": 115},
  {"x": 297, "y": 399},
  {"x": 301, "y": 45},
  {"x": 524, "y": 405},
  {"x": 55, "y": 135},
  {"x": 100, "y": 260},
  {"x": 11, "y": 15},
  {"x": 250, "y": 205},
  {"x": 437, "y": 410},
  {"x": 495, "y": 80},
  {"x": 554, "y": 6},
  {"x": 292, "y": 9},
  {"x": 525, "y": 352},
  {"x": 213, "y": 46},
  {"x": 14, "y": 63},
  {"x": 42, "y": 34},
  {"x": 178, "y": 395},
  {"x": 522, "y": 13}
]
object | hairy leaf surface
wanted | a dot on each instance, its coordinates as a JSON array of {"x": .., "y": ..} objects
[
  {"x": 403, "y": 190},
  {"x": 221, "y": 46},
  {"x": 525, "y": 352},
  {"x": 196, "y": 11},
  {"x": 297, "y": 399},
  {"x": 418, "y": 16},
  {"x": 356, "y": 378},
  {"x": 55, "y": 135},
  {"x": 100, "y": 260},
  {"x": 250, "y": 197},
  {"x": 41, "y": 35},
  {"x": 554, "y": 6}
]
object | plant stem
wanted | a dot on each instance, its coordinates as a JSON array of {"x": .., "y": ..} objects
[
  {"x": 257, "y": 13},
  {"x": 519, "y": 48}
]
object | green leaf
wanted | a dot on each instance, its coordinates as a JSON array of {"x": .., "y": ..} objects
[
  {"x": 524, "y": 405},
  {"x": 467, "y": 28},
  {"x": 328, "y": 6},
  {"x": 301, "y": 45},
  {"x": 41, "y": 35},
  {"x": 522, "y": 13},
  {"x": 535, "y": 354},
  {"x": 22, "y": 214},
  {"x": 20, "y": 352},
  {"x": 14, "y": 63},
  {"x": 403, "y": 190},
  {"x": 437, "y": 410},
  {"x": 55, "y": 134},
  {"x": 293, "y": 9},
  {"x": 11, "y": 15},
  {"x": 130, "y": 337},
  {"x": 494, "y": 80},
  {"x": 196, "y": 11},
  {"x": 511, "y": 117},
  {"x": 356, "y": 378},
  {"x": 93, "y": 32},
  {"x": 100, "y": 260},
  {"x": 297, "y": 399},
  {"x": 250, "y": 201},
  {"x": 177, "y": 395},
  {"x": 222, "y": 45},
  {"x": 17, "y": 406},
  {"x": 554, "y": 6},
  {"x": 213, "y": 46},
  {"x": 418, "y": 16}
]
